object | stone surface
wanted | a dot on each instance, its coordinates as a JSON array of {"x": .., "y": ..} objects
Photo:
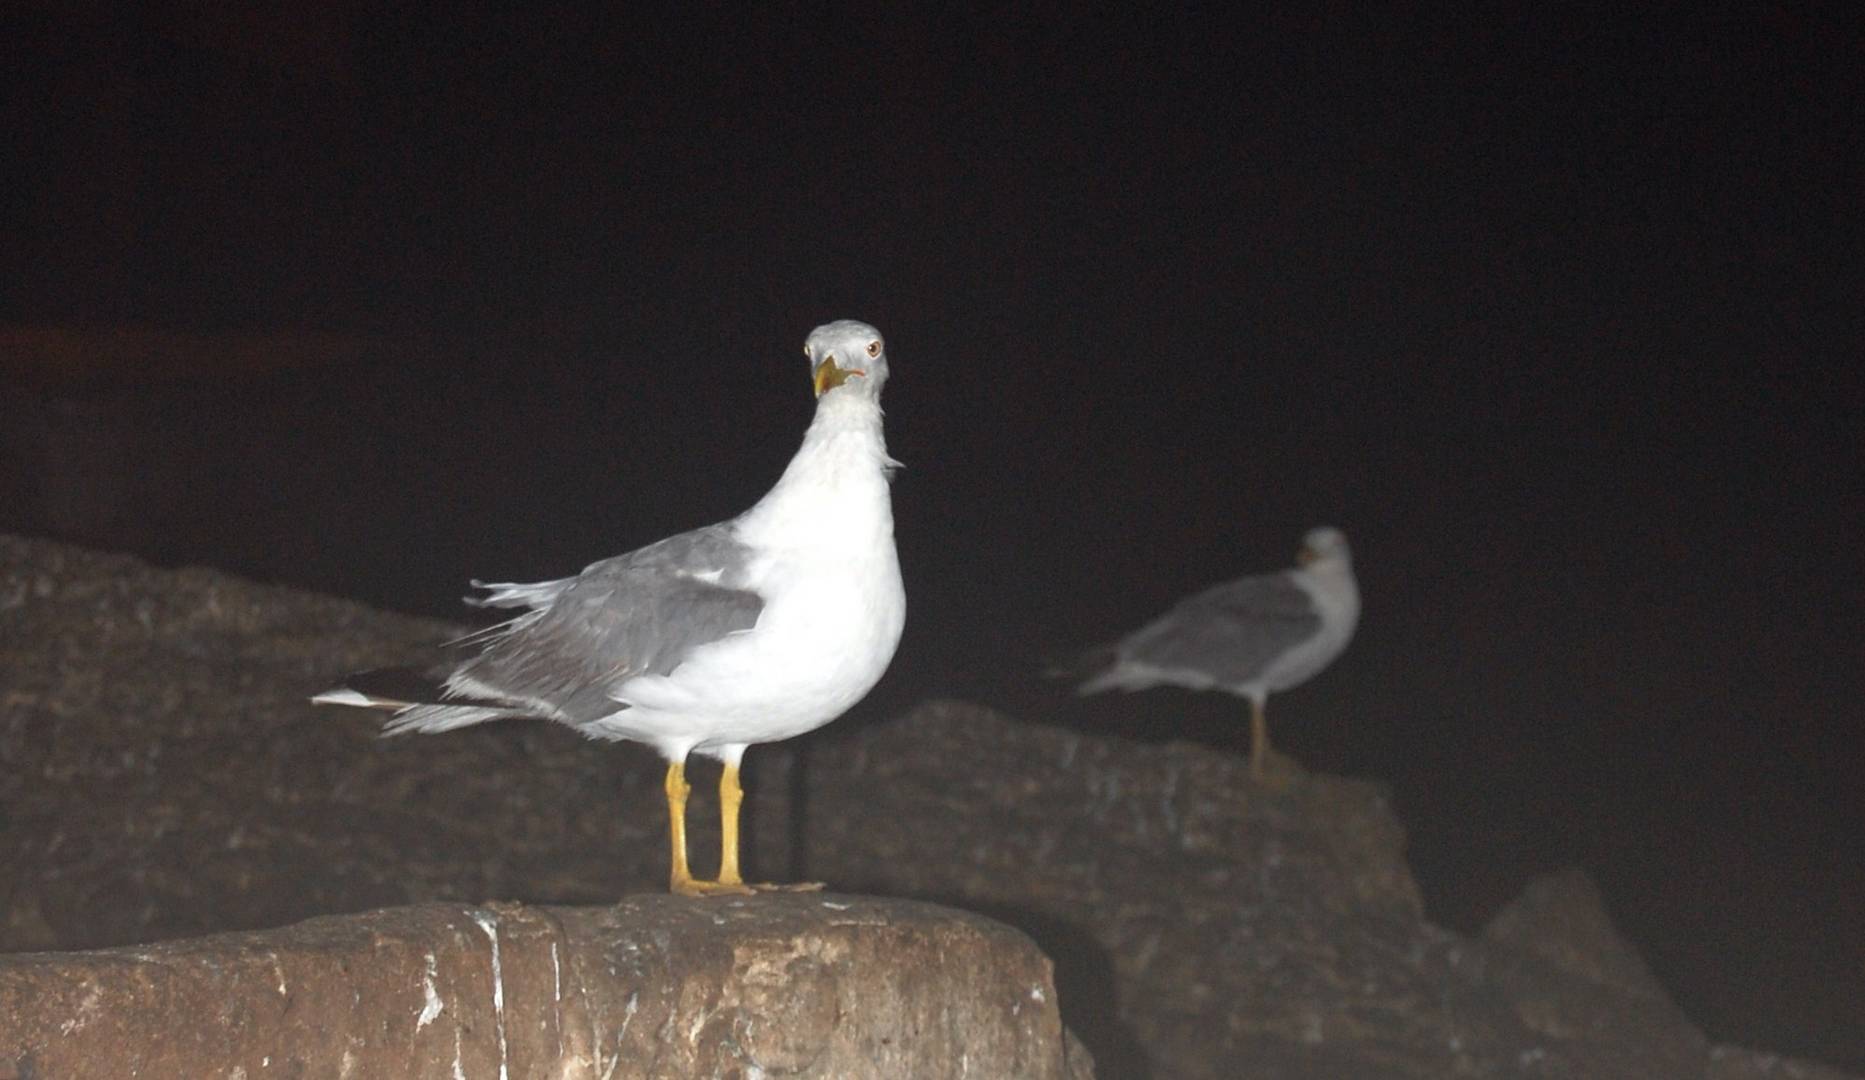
[
  {"x": 656, "y": 986},
  {"x": 1248, "y": 929},
  {"x": 161, "y": 776}
]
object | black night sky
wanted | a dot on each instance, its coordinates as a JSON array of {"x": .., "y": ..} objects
[{"x": 1558, "y": 318}]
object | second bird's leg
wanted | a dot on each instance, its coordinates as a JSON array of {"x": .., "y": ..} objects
[
  {"x": 1259, "y": 740},
  {"x": 1267, "y": 767}
]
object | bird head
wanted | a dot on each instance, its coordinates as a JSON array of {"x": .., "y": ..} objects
[
  {"x": 1324, "y": 544},
  {"x": 847, "y": 357}
]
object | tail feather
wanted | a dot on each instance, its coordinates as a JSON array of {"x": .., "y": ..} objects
[
  {"x": 418, "y": 701},
  {"x": 1092, "y": 665},
  {"x": 428, "y": 719},
  {"x": 1110, "y": 679},
  {"x": 525, "y": 594}
]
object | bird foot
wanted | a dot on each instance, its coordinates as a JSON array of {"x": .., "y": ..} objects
[{"x": 692, "y": 887}]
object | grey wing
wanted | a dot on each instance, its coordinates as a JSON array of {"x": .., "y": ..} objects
[
  {"x": 1230, "y": 632},
  {"x": 641, "y": 613}
]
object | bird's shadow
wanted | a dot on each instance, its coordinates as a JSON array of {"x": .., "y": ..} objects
[{"x": 1086, "y": 985}]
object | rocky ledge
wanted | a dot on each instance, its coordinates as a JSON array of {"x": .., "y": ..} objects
[{"x": 803, "y": 985}]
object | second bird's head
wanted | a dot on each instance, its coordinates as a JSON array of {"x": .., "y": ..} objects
[
  {"x": 1325, "y": 545},
  {"x": 847, "y": 357}
]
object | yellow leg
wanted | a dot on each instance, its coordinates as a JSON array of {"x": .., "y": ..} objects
[
  {"x": 677, "y": 791},
  {"x": 1259, "y": 740},
  {"x": 731, "y": 797},
  {"x": 1267, "y": 767},
  {"x": 681, "y": 880}
]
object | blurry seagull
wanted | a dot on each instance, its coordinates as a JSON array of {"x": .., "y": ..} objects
[
  {"x": 1252, "y": 637},
  {"x": 750, "y": 631}
]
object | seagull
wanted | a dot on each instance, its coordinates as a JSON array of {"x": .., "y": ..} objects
[
  {"x": 753, "y": 630},
  {"x": 1251, "y": 637}
]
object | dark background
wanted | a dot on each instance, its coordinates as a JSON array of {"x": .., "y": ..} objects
[{"x": 1559, "y": 318}]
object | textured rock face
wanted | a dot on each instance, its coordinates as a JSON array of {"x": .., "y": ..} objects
[
  {"x": 161, "y": 775},
  {"x": 804, "y": 986},
  {"x": 1247, "y": 930}
]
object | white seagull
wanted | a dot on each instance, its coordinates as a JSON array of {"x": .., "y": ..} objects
[
  {"x": 750, "y": 631},
  {"x": 1252, "y": 637}
]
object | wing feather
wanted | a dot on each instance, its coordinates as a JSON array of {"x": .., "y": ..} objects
[
  {"x": 1230, "y": 632},
  {"x": 642, "y": 613}
]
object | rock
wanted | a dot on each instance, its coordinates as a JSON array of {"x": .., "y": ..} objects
[
  {"x": 164, "y": 777},
  {"x": 1561, "y": 919},
  {"x": 781, "y": 985},
  {"x": 1246, "y": 929},
  {"x": 1572, "y": 977},
  {"x": 1222, "y": 919},
  {"x": 1736, "y": 1063},
  {"x": 1601, "y": 984}
]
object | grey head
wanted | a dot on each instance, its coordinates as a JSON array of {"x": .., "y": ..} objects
[
  {"x": 847, "y": 357},
  {"x": 1324, "y": 544}
]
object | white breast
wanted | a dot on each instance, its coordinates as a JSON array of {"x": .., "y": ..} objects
[
  {"x": 834, "y": 608},
  {"x": 1337, "y": 598}
]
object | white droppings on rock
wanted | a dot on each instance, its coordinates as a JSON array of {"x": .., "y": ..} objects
[
  {"x": 87, "y": 1011},
  {"x": 490, "y": 925},
  {"x": 432, "y": 1005},
  {"x": 1037, "y": 995},
  {"x": 628, "y": 1013}
]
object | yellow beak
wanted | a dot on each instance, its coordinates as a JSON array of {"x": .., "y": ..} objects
[{"x": 829, "y": 375}]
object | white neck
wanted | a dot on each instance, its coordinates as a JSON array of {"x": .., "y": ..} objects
[
  {"x": 835, "y": 489},
  {"x": 1336, "y": 587}
]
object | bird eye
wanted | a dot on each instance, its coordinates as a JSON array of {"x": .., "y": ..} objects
[
  {"x": 807, "y": 355},
  {"x": 874, "y": 349}
]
